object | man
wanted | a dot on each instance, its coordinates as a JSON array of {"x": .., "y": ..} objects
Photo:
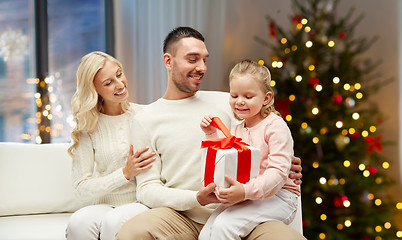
[{"x": 170, "y": 126}]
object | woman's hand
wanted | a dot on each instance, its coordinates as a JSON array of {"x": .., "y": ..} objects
[
  {"x": 206, "y": 125},
  {"x": 231, "y": 195},
  {"x": 138, "y": 162},
  {"x": 295, "y": 171}
]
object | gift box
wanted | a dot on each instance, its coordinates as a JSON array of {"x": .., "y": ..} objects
[{"x": 228, "y": 156}]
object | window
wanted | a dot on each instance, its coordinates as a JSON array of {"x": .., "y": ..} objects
[{"x": 75, "y": 27}]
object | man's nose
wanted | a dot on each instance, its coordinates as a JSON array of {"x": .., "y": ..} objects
[{"x": 201, "y": 67}]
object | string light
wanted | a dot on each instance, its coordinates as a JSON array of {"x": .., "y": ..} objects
[
  {"x": 346, "y": 203},
  {"x": 336, "y": 80},
  {"x": 292, "y": 97},
  {"x": 358, "y": 86},
  {"x": 299, "y": 26},
  {"x": 387, "y": 225},
  {"x": 277, "y": 64},
  {"x": 378, "y": 202}
]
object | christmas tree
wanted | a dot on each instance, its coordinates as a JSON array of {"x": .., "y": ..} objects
[{"x": 322, "y": 87}]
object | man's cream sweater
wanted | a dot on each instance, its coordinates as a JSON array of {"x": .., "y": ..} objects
[{"x": 172, "y": 129}]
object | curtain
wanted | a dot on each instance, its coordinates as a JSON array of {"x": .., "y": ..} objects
[{"x": 140, "y": 28}]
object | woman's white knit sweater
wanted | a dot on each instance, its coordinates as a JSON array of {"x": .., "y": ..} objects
[{"x": 97, "y": 169}]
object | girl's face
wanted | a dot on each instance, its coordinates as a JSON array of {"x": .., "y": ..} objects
[
  {"x": 111, "y": 84},
  {"x": 247, "y": 98}
]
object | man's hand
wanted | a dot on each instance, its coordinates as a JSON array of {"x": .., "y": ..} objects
[
  {"x": 231, "y": 195},
  {"x": 295, "y": 170},
  {"x": 206, "y": 195}
]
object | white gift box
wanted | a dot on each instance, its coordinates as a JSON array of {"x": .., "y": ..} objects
[{"x": 227, "y": 162}]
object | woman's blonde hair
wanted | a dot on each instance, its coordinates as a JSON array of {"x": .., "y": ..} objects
[
  {"x": 86, "y": 103},
  {"x": 261, "y": 74}
]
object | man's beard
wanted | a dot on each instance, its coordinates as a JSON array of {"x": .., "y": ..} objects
[{"x": 185, "y": 87}]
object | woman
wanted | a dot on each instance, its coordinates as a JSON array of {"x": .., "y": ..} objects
[{"x": 104, "y": 165}]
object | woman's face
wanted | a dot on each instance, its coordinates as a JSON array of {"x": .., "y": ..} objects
[{"x": 111, "y": 84}]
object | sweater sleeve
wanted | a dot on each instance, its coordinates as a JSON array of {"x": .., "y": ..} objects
[
  {"x": 151, "y": 190},
  {"x": 280, "y": 143},
  {"x": 86, "y": 184}
]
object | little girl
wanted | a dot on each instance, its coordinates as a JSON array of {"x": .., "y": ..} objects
[{"x": 271, "y": 195}]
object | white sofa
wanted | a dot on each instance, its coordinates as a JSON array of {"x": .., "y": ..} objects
[{"x": 36, "y": 194}]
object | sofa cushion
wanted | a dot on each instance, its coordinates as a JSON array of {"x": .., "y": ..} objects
[
  {"x": 40, "y": 227},
  {"x": 36, "y": 179}
]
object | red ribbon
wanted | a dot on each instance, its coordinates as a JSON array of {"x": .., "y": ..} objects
[{"x": 244, "y": 153}]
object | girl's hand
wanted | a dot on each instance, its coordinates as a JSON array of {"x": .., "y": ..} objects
[
  {"x": 206, "y": 125},
  {"x": 231, "y": 195},
  {"x": 138, "y": 162}
]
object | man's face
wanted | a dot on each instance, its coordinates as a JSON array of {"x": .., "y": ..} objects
[{"x": 188, "y": 64}]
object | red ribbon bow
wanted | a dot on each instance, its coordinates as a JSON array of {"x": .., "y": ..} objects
[
  {"x": 374, "y": 143},
  {"x": 244, "y": 153}
]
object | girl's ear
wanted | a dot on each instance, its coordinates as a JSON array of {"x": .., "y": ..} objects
[
  {"x": 167, "y": 60},
  {"x": 268, "y": 98}
]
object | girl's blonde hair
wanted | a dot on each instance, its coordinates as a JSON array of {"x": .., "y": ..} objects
[
  {"x": 262, "y": 76},
  {"x": 86, "y": 103}
]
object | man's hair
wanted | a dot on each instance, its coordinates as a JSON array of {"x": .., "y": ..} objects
[{"x": 178, "y": 33}]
